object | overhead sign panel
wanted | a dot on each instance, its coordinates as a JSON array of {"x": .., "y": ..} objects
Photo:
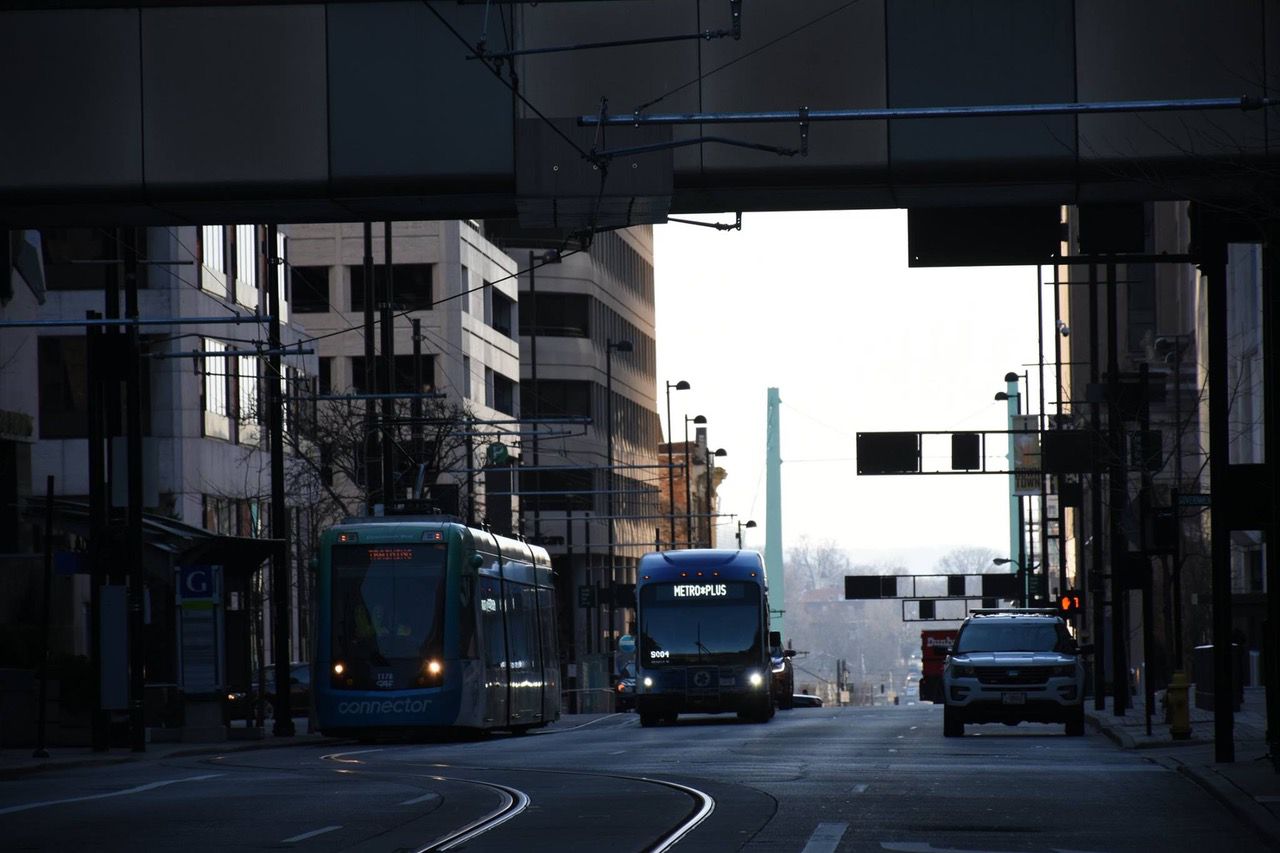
[{"x": 888, "y": 453}]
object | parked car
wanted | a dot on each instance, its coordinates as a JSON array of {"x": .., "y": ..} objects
[
  {"x": 784, "y": 677},
  {"x": 244, "y": 704},
  {"x": 624, "y": 692}
]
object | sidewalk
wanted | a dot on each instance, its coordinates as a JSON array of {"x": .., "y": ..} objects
[
  {"x": 1249, "y": 787},
  {"x": 18, "y": 761}
]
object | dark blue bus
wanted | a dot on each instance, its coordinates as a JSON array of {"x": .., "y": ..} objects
[
  {"x": 703, "y": 636},
  {"x": 429, "y": 624}
]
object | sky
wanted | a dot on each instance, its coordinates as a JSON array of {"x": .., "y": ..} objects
[{"x": 823, "y": 306}]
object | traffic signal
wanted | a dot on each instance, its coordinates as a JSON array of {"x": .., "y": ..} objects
[{"x": 1070, "y": 602}]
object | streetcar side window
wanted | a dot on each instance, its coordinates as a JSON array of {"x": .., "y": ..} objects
[
  {"x": 467, "y": 618},
  {"x": 495, "y": 641},
  {"x": 517, "y": 623}
]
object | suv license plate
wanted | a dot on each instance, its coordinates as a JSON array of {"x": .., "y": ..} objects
[{"x": 1014, "y": 698}]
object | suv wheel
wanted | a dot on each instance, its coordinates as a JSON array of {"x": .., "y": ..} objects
[{"x": 952, "y": 726}]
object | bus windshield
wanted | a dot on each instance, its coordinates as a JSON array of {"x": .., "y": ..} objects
[
  {"x": 388, "y": 603},
  {"x": 690, "y": 623}
]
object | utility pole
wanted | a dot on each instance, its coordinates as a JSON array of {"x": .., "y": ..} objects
[
  {"x": 137, "y": 570},
  {"x": 97, "y": 522},
  {"x": 388, "y": 384},
  {"x": 371, "y": 485},
  {"x": 1097, "y": 587},
  {"x": 415, "y": 405},
  {"x": 1117, "y": 481},
  {"x": 280, "y": 621}
]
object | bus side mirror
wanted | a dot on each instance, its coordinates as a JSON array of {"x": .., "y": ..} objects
[
  {"x": 775, "y": 639},
  {"x": 788, "y": 653}
]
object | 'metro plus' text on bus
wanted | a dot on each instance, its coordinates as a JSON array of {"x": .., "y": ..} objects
[{"x": 703, "y": 626}]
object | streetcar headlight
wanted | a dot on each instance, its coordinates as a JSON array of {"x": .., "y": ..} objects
[
  {"x": 648, "y": 682},
  {"x": 338, "y": 668},
  {"x": 434, "y": 667},
  {"x": 756, "y": 679}
]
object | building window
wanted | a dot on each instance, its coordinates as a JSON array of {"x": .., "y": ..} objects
[
  {"x": 309, "y": 289},
  {"x": 213, "y": 248},
  {"x": 63, "y": 385},
  {"x": 411, "y": 286},
  {"x": 247, "y": 379},
  {"x": 465, "y": 287},
  {"x": 247, "y": 255},
  {"x": 556, "y": 315},
  {"x": 326, "y": 374},
  {"x": 504, "y": 394},
  {"x": 504, "y": 310},
  {"x": 556, "y": 398},
  {"x": 215, "y": 379},
  {"x": 404, "y": 374},
  {"x": 466, "y": 377}
]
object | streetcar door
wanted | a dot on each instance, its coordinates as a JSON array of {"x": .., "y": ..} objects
[
  {"x": 526, "y": 653},
  {"x": 495, "y": 652}
]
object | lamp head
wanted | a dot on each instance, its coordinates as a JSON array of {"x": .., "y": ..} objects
[
  {"x": 1001, "y": 395},
  {"x": 720, "y": 451},
  {"x": 682, "y": 386},
  {"x": 1011, "y": 377},
  {"x": 699, "y": 419},
  {"x": 749, "y": 524},
  {"x": 1002, "y": 561}
]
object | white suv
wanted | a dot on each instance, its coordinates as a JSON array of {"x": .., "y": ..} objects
[{"x": 1010, "y": 666}]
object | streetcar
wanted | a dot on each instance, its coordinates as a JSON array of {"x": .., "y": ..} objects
[
  {"x": 425, "y": 623},
  {"x": 704, "y": 640}
]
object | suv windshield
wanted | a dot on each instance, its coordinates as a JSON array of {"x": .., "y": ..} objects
[{"x": 1013, "y": 637}]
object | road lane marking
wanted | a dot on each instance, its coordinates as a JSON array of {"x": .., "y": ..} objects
[
  {"x": 1013, "y": 768},
  {"x": 619, "y": 752},
  {"x": 150, "y": 786},
  {"x": 312, "y": 834},
  {"x": 861, "y": 789},
  {"x": 826, "y": 838},
  {"x": 341, "y": 756},
  {"x": 421, "y": 799}
]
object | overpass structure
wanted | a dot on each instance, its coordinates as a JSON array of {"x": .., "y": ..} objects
[{"x": 192, "y": 110}]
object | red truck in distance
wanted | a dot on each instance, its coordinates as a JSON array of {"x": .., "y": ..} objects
[{"x": 934, "y": 648}]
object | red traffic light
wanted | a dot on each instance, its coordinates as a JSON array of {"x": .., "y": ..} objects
[{"x": 1070, "y": 603}]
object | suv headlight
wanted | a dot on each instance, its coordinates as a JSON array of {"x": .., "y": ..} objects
[
  {"x": 1066, "y": 670},
  {"x": 781, "y": 666},
  {"x": 962, "y": 670}
]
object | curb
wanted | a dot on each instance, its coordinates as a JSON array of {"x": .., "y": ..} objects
[
  {"x": 110, "y": 760},
  {"x": 1236, "y": 801}
]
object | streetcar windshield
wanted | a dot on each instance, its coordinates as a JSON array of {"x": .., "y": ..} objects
[
  {"x": 684, "y": 623},
  {"x": 388, "y": 603}
]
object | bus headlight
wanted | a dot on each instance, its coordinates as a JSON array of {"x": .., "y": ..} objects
[
  {"x": 756, "y": 679},
  {"x": 648, "y": 682},
  {"x": 338, "y": 668}
]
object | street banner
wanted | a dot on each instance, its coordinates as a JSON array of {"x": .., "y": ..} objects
[{"x": 1026, "y": 454}]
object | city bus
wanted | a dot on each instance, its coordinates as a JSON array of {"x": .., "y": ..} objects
[
  {"x": 425, "y": 623},
  {"x": 702, "y": 619}
]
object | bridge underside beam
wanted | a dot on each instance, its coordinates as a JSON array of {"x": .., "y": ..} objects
[{"x": 150, "y": 113}]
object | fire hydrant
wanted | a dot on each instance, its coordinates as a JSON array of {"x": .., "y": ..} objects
[{"x": 1175, "y": 697}]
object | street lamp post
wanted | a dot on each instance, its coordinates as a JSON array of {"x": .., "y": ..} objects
[
  {"x": 610, "y": 347},
  {"x": 1004, "y": 561},
  {"x": 671, "y": 474},
  {"x": 741, "y": 524},
  {"x": 719, "y": 451},
  {"x": 688, "y": 487}
]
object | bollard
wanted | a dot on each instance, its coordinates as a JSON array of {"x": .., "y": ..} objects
[{"x": 1179, "y": 713}]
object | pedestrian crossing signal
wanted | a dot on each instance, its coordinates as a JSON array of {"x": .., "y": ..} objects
[{"x": 1070, "y": 603}]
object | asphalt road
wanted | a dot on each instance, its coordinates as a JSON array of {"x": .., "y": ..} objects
[{"x": 812, "y": 780}]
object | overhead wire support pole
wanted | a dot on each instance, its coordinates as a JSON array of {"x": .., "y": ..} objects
[
  {"x": 280, "y": 616},
  {"x": 719, "y": 226},
  {"x": 136, "y": 547},
  {"x": 802, "y": 114}
]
